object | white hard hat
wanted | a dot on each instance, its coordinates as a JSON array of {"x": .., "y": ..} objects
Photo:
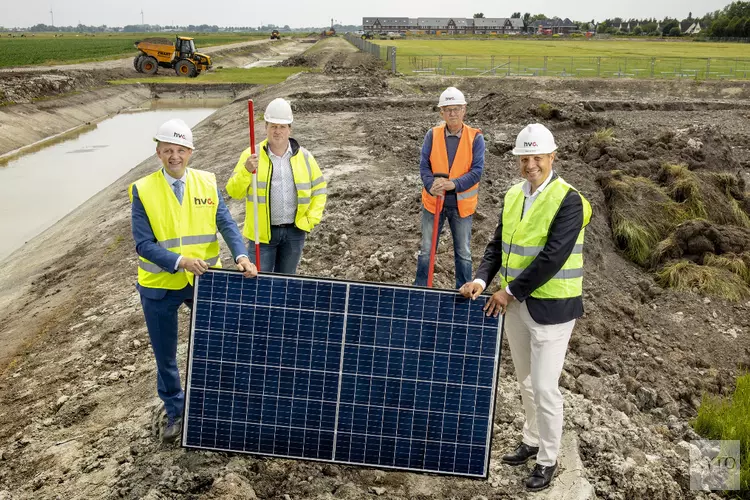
[
  {"x": 451, "y": 97},
  {"x": 534, "y": 139},
  {"x": 175, "y": 131},
  {"x": 278, "y": 111}
]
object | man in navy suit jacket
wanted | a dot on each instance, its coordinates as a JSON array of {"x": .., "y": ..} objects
[{"x": 175, "y": 214}]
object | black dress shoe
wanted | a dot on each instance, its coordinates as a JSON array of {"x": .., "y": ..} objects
[
  {"x": 540, "y": 477},
  {"x": 520, "y": 455}
]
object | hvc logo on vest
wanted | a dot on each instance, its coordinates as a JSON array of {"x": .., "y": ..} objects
[{"x": 203, "y": 201}]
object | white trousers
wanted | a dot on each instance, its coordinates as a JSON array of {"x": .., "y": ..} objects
[{"x": 538, "y": 353}]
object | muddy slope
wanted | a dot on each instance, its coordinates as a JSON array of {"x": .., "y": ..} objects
[{"x": 77, "y": 400}]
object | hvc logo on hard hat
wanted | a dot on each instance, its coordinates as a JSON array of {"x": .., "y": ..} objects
[
  {"x": 529, "y": 144},
  {"x": 179, "y": 136}
]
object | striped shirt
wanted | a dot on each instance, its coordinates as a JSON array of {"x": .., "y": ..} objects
[{"x": 283, "y": 191}]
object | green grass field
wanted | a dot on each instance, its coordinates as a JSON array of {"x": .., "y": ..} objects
[
  {"x": 257, "y": 76},
  {"x": 45, "y": 48},
  {"x": 631, "y": 58}
]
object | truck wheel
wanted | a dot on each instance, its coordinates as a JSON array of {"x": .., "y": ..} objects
[
  {"x": 149, "y": 65},
  {"x": 185, "y": 68},
  {"x": 137, "y": 63}
]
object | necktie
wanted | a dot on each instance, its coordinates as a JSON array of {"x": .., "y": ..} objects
[{"x": 179, "y": 189}]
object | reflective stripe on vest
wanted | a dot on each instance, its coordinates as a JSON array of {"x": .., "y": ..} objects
[
  {"x": 188, "y": 240},
  {"x": 467, "y": 200},
  {"x": 307, "y": 188},
  {"x": 187, "y": 229},
  {"x": 524, "y": 238}
]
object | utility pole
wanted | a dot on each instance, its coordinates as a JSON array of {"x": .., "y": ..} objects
[
  {"x": 53, "y": 17},
  {"x": 142, "y": 23}
]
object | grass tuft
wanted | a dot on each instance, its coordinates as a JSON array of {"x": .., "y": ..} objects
[
  {"x": 729, "y": 419},
  {"x": 642, "y": 214},
  {"x": 737, "y": 264},
  {"x": 602, "y": 137},
  {"x": 714, "y": 281}
]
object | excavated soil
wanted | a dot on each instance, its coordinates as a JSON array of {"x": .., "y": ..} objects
[{"x": 78, "y": 403}]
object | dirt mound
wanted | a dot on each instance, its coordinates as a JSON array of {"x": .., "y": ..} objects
[
  {"x": 298, "y": 60},
  {"x": 337, "y": 57},
  {"x": 698, "y": 147},
  {"x": 694, "y": 240},
  {"x": 354, "y": 63},
  {"x": 497, "y": 107},
  {"x": 679, "y": 219},
  {"x": 25, "y": 87}
]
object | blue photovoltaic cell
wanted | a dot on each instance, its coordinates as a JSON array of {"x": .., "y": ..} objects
[{"x": 354, "y": 373}]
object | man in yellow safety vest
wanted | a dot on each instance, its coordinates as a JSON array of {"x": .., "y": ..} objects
[
  {"x": 176, "y": 212},
  {"x": 291, "y": 192},
  {"x": 538, "y": 251}
]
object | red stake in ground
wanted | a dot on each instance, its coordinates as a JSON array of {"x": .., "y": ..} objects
[{"x": 251, "y": 118}]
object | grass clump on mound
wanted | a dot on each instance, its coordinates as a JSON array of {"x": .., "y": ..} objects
[
  {"x": 729, "y": 419},
  {"x": 737, "y": 264},
  {"x": 642, "y": 214},
  {"x": 602, "y": 137},
  {"x": 705, "y": 195},
  {"x": 597, "y": 141},
  {"x": 709, "y": 280}
]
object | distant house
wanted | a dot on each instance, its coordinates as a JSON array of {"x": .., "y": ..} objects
[
  {"x": 378, "y": 24},
  {"x": 687, "y": 27},
  {"x": 449, "y": 25},
  {"x": 694, "y": 29},
  {"x": 554, "y": 26},
  {"x": 514, "y": 26},
  {"x": 497, "y": 25},
  {"x": 487, "y": 25},
  {"x": 432, "y": 25}
]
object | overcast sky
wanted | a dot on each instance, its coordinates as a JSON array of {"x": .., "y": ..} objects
[{"x": 297, "y": 13}]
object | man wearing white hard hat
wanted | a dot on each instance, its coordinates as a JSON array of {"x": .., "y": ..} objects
[
  {"x": 291, "y": 192},
  {"x": 537, "y": 250},
  {"x": 176, "y": 212},
  {"x": 451, "y": 165}
]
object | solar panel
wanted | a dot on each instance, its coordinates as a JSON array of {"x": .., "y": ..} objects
[{"x": 346, "y": 372}]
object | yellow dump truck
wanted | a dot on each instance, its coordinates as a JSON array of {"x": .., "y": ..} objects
[{"x": 161, "y": 52}]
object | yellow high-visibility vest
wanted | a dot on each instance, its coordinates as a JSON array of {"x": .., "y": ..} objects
[
  {"x": 188, "y": 229},
  {"x": 311, "y": 186},
  {"x": 523, "y": 239}
]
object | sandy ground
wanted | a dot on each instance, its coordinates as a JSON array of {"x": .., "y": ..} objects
[{"x": 77, "y": 395}]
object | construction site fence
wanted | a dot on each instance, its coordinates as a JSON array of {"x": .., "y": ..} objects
[
  {"x": 386, "y": 53},
  {"x": 715, "y": 68}
]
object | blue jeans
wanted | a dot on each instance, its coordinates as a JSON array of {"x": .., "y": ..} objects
[
  {"x": 461, "y": 231},
  {"x": 283, "y": 252},
  {"x": 161, "y": 321}
]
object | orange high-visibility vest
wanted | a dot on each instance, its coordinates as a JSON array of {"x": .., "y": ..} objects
[{"x": 467, "y": 200}]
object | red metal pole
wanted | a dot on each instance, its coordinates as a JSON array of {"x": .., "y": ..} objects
[
  {"x": 435, "y": 235},
  {"x": 251, "y": 118}
]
